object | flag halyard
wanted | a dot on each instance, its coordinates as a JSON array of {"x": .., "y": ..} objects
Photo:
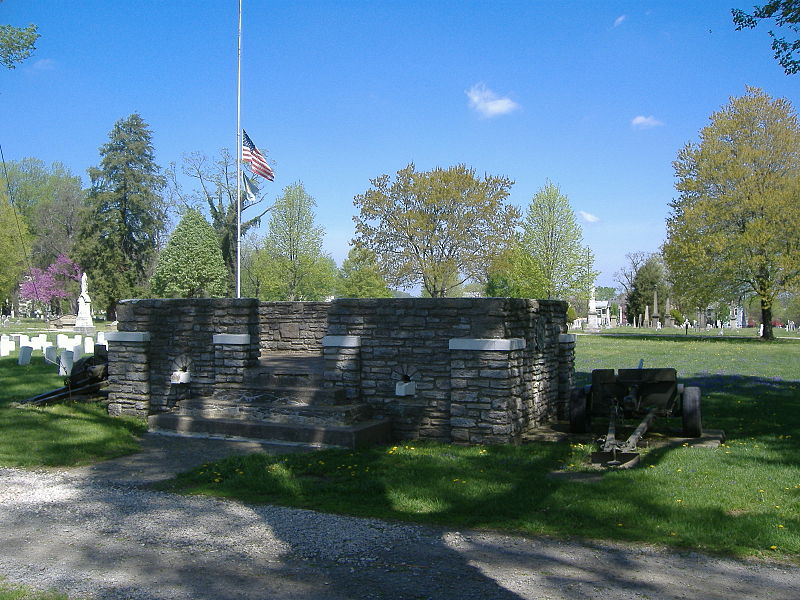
[{"x": 253, "y": 156}]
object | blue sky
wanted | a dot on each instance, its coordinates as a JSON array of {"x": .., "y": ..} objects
[{"x": 596, "y": 96}]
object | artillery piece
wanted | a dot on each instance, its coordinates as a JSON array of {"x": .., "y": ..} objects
[{"x": 632, "y": 393}]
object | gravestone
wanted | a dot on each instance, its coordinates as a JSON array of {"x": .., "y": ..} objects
[
  {"x": 6, "y": 345},
  {"x": 50, "y": 354},
  {"x": 65, "y": 363},
  {"x": 24, "y": 357},
  {"x": 88, "y": 345},
  {"x": 77, "y": 351}
]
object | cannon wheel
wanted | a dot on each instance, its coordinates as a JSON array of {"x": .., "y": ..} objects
[
  {"x": 580, "y": 410},
  {"x": 692, "y": 422}
]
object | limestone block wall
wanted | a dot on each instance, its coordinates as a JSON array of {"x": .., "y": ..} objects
[
  {"x": 471, "y": 370},
  {"x": 292, "y": 326},
  {"x": 211, "y": 339},
  {"x": 460, "y": 392}
]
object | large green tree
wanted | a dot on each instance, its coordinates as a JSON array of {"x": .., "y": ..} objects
[
  {"x": 290, "y": 263},
  {"x": 16, "y": 44},
  {"x": 126, "y": 215},
  {"x": 733, "y": 229},
  {"x": 215, "y": 179},
  {"x": 51, "y": 201},
  {"x": 439, "y": 228},
  {"x": 13, "y": 244},
  {"x": 360, "y": 276},
  {"x": 191, "y": 265},
  {"x": 515, "y": 273},
  {"x": 552, "y": 236},
  {"x": 785, "y": 13}
]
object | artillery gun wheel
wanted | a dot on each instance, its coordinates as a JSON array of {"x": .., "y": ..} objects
[
  {"x": 580, "y": 410},
  {"x": 690, "y": 409}
]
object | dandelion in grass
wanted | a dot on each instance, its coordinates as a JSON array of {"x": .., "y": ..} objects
[{"x": 773, "y": 547}]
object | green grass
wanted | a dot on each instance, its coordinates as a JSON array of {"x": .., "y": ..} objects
[
  {"x": 17, "y": 592},
  {"x": 740, "y": 499},
  {"x": 66, "y": 434}
]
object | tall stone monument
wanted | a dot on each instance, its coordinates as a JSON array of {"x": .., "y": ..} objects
[
  {"x": 656, "y": 319},
  {"x": 83, "y": 322},
  {"x": 592, "y": 324}
]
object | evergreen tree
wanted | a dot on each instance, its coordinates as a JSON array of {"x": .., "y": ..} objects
[
  {"x": 191, "y": 266},
  {"x": 360, "y": 276},
  {"x": 126, "y": 215}
]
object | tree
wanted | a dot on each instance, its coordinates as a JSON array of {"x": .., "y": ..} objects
[
  {"x": 552, "y": 236},
  {"x": 360, "y": 276},
  {"x": 784, "y": 12},
  {"x": 17, "y": 44},
  {"x": 13, "y": 244},
  {"x": 650, "y": 278},
  {"x": 291, "y": 264},
  {"x": 625, "y": 275},
  {"x": 733, "y": 228},
  {"x": 126, "y": 215},
  {"x": 216, "y": 179},
  {"x": 191, "y": 265},
  {"x": 515, "y": 273},
  {"x": 439, "y": 228},
  {"x": 53, "y": 285},
  {"x": 52, "y": 201}
]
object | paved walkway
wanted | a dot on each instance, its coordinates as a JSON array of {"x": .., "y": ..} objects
[{"x": 98, "y": 532}]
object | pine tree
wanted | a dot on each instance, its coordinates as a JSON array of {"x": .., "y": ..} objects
[
  {"x": 125, "y": 216},
  {"x": 191, "y": 266}
]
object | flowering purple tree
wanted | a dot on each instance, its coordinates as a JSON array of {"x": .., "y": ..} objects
[{"x": 51, "y": 285}]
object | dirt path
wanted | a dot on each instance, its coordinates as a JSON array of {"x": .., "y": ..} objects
[{"x": 98, "y": 532}]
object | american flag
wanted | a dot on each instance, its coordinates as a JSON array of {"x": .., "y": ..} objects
[{"x": 252, "y": 155}]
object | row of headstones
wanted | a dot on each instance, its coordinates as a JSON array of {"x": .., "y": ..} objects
[{"x": 72, "y": 348}]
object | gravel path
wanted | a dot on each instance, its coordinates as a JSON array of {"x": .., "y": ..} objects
[{"x": 99, "y": 533}]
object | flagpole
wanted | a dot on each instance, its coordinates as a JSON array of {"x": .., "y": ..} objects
[{"x": 239, "y": 160}]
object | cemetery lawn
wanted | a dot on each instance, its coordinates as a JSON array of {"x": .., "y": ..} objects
[
  {"x": 68, "y": 434},
  {"x": 17, "y": 592},
  {"x": 741, "y": 499}
]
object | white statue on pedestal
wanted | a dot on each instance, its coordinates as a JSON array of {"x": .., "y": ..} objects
[{"x": 84, "y": 318}]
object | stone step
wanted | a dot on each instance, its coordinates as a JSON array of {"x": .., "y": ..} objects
[
  {"x": 297, "y": 394},
  {"x": 276, "y": 412},
  {"x": 366, "y": 433}
]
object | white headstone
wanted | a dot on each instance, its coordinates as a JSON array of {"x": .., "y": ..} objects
[
  {"x": 77, "y": 351},
  {"x": 65, "y": 363},
  {"x": 6, "y": 345},
  {"x": 88, "y": 345},
  {"x": 24, "y": 357},
  {"x": 24, "y": 340},
  {"x": 61, "y": 340},
  {"x": 101, "y": 338}
]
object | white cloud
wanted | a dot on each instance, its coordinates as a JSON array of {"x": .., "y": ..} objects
[
  {"x": 486, "y": 103},
  {"x": 45, "y": 64},
  {"x": 588, "y": 217},
  {"x": 620, "y": 20},
  {"x": 642, "y": 122}
]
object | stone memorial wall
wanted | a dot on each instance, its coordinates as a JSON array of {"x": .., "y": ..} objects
[{"x": 467, "y": 370}]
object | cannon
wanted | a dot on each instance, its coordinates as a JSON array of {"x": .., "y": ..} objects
[
  {"x": 632, "y": 393},
  {"x": 89, "y": 376}
]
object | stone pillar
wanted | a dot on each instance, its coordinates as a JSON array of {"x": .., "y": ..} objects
[
  {"x": 128, "y": 373},
  {"x": 486, "y": 388},
  {"x": 342, "y": 358},
  {"x": 592, "y": 325},
  {"x": 566, "y": 372},
  {"x": 233, "y": 354}
]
